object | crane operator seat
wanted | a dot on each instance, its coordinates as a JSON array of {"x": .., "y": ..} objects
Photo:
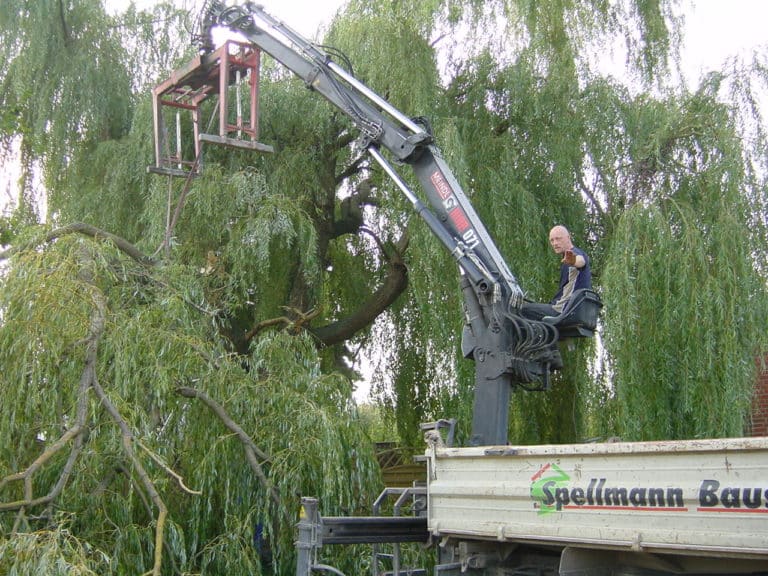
[{"x": 579, "y": 317}]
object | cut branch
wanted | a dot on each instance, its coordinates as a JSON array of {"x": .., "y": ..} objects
[
  {"x": 167, "y": 469},
  {"x": 252, "y": 452},
  {"x": 295, "y": 325}
]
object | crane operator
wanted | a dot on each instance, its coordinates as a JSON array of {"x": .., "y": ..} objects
[{"x": 575, "y": 274}]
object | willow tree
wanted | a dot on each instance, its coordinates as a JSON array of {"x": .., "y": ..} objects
[
  {"x": 685, "y": 251},
  {"x": 539, "y": 136},
  {"x": 167, "y": 398},
  {"x": 171, "y": 384}
]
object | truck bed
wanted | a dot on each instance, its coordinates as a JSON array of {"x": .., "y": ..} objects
[{"x": 699, "y": 498}]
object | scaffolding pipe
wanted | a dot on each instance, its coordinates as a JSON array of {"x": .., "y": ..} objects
[
  {"x": 178, "y": 140},
  {"x": 239, "y": 105}
]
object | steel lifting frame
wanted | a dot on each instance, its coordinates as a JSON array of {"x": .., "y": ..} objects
[{"x": 188, "y": 87}]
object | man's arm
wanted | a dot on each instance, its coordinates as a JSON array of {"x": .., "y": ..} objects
[{"x": 572, "y": 259}]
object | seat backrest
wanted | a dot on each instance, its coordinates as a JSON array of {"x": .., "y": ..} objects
[{"x": 582, "y": 310}]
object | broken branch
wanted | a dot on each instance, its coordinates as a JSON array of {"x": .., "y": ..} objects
[
  {"x": 252, "y": 452},
  {"x": 167, "y": 469}
]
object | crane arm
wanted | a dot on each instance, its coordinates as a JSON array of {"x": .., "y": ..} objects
[{"x": 507, "y": 348}]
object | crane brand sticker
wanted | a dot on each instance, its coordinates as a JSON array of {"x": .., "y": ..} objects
[
  {"x": 552, "y": 490},
  {"x": 451, "y": 206}
]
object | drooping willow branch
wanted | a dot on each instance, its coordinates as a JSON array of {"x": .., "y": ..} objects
[
  {"x": 252, "y": 452},
  {"x": 146, "y": 481},
  {"x": 128, "y": 439},
  {"x": 27, "y": 475},
  {"x": 89, "y": 381},
  {"x": 394, "y": 284},
  {"x": 75, "y": 433}
]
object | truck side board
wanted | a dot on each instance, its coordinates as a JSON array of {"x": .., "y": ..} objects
[{"x": 700, "y": 498}]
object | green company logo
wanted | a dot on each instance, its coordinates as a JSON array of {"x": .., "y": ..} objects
[{"x": 549, "y": 475}]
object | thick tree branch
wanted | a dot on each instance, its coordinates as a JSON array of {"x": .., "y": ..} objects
[
  {"x": 146, "y": 481},
  {"x": 344, "y": 139},
  {"x": 64, "y": 28},
  {"x": 587, "y": 191},
  {"x": 106, "y": 481},
  {"x": 394, "y": 284},
  {"x": 352, "y": 169},
  {"x": 86, "y": 229},
  {"x": 502, "y": 127},
  {"x": 295, "y": 325},
  {"x": 127, "y": 434}
]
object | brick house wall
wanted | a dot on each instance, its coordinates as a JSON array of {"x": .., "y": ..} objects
[{"x": 759, "y": 425}]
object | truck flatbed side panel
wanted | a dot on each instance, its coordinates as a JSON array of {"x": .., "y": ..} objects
[{"x": 707, "y": 497}]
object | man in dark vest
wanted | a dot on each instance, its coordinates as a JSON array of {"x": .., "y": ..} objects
[{"x": 574, "y": 275}]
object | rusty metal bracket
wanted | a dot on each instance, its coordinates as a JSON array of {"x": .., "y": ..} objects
[{"x": 232, "y": 64}]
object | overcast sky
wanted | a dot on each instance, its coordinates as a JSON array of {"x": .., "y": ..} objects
[
  {"x": 718, "y": 29},
  {"x": 714, "y": 29}
]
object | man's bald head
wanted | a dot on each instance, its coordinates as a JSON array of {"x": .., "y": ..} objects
[{"x": 560, "y": 239}]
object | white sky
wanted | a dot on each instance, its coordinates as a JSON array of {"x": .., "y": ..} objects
[
  {"x": 714, "y": 29},
  {"x": 304, "y": 16},
  {"x": 718, "y": 29}
]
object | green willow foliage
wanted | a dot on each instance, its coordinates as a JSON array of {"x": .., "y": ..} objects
[
  {"x": 56, "y": 553},
  {"x": 516, "y": 141},
  {"x": 53, "y": 107},
  {"x": 155, "y": 342},
  {"x": 200, "y": 339},
  {"x": 684, "y": 251}
]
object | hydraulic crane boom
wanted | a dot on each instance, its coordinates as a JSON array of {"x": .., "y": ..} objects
[{"x": 506, "y": 348}]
